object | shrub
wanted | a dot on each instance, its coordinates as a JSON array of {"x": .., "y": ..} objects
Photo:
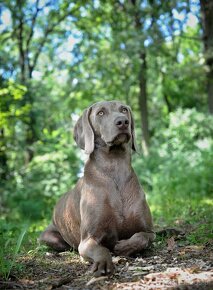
[
  {"x": 179, "y": 167},
  {"x": 41, "y": 183}
]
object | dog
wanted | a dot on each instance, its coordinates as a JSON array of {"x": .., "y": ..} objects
[{"x": 107, "y": 210}]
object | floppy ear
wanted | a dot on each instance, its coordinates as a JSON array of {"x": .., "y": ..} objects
[
  {"x": 134, "y": 145},
  {"x": 83, "y": 132}
]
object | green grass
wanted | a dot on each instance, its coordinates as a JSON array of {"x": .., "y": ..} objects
[
  {"x": 194, "y": 218},
  {"x": 10, "y": 246},
  {"x": 193, "y": 215}
]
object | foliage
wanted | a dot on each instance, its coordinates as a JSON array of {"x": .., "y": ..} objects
[
  {"x": 13, "y": 114},
  {"x": 9, "y": 247},
  {"x": 178, "y": 171},
  {"x": 58, "y": 57},
  {"x": 37, "y": 187}
]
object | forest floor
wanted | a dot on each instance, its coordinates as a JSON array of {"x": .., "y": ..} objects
[{"x": 171, "y": 263}]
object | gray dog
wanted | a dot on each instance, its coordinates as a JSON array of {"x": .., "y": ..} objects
[{"x": 107, "y": 210}]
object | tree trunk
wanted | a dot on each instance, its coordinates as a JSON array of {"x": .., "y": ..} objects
[
  {"x": 4, "y": 170},
  {"x": 207, "y": 23},
  {"x": 142, "y": 98},
  {"x": 165, "y": 95}
]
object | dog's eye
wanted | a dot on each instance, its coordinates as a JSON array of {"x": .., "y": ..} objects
[
  {"x": 124, "y": 110},
  {"x": 101, "y": 113}
]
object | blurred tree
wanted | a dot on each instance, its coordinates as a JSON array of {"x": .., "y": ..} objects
[
  {"x": 12, "y": 115},
  {"x": 58, "y": 57},
  {"x": 139, "y": 23},
  {"x": 34, "y": 24},
  {"x": 127, "y": 50},
  {"x": 207, "y": 21},
  {"x": 148, "y": 25}
]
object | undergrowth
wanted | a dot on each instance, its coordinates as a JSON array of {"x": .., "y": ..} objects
[{"x": 177, "y": 176}]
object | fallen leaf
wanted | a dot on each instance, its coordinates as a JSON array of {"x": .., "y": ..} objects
[
  {"x": 119, "y": 260},
  {"x": 171, "y": 245},
  {"x": 148, "y": 268},
  {"x": 193, "y": 269},
  {"x": 194, "y": 248},
  {"x": 140, "y": 273},
  {"x": 93, "y": 280}
]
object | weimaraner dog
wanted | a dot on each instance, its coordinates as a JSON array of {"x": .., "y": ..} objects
[{"x": 107, "y": 209}]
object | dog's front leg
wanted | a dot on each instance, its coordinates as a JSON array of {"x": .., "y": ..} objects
[
  {"x": 101, "y": 257},
  {"x": 136, "y": 243}
]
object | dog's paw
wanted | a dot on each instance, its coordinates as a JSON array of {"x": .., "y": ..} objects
[
  {"x": 122, "y": 248},
  {"x": 102, "y": 268}
]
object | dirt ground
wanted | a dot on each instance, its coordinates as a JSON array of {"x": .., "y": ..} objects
[{"x": 166, "y": 265}]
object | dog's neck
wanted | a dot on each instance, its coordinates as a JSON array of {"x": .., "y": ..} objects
[
  {"x": 113, "y": 161},
  {"x": 101, "y": 146}
]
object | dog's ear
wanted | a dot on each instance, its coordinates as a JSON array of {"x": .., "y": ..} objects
[
  {"x": 83, "y": 132},
  {"x": 134, "y": 145}
]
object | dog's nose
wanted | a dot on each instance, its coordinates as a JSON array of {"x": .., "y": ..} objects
[{"x": 122, "y": 122}]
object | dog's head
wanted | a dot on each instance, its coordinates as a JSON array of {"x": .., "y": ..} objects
[{"x": 105, "y": 124}]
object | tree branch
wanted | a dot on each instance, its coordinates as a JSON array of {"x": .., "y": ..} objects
[
  {"x": 28, "y": 41},
  {"x": 32, "y": 26},
  {"x": 48, "y": 31},
  {"x": 21, "y": 49}
]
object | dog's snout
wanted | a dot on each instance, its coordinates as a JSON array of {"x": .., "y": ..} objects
[{"x": 122, "y": 122}]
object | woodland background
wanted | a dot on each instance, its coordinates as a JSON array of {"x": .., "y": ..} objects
[{"x": 57, "y": 57}]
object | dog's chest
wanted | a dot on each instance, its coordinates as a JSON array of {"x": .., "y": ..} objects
[{"x": 127, "y": 213}]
